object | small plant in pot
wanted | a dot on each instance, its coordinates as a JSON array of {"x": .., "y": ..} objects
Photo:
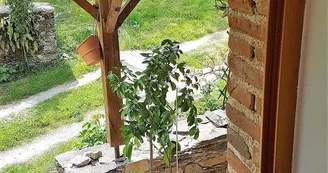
[{"x": 146, "y": 111}]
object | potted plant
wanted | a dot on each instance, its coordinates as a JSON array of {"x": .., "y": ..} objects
[
  {"x": 146, "y": 111},
  {"x": 90, "y": 50}
]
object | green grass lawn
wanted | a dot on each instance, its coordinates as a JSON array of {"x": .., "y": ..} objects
[
  {"x": 41, "y": 164},
  {"x": 205, "y": 56},
  {"x": 155, "y": 20},
  {"x": 64, "y": 108},
  {"x": 149, "y": 23},
  {"x": 43, "y": 79}
]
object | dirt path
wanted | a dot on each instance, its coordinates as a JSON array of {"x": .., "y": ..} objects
[
  {"x": 42, "y": 144},
  {"x": 132, "y": 59}
]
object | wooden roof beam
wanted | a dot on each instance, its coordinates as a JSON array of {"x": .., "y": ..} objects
[
  {"x": 93, "y": 11},
  {"x": 104, "y": 8},
  {"x": 114, "y": 11},
  {"x": 126, "y": 10}
]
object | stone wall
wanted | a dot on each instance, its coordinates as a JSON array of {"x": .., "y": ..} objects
[
  {"x": 206, "y": 154},
  {"x": 47, "y": 53},
  {"x": 247, "y": 42}
]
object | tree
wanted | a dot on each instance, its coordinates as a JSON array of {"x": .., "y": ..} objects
[{"x": 146, "y": 111}]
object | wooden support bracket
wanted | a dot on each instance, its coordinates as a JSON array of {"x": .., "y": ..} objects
[
  {"x": 93, "y": 11},
  {"x": 125, "y": 12}
]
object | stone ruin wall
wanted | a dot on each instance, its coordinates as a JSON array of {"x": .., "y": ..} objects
[
  {"x": 207, "y": 154},
  {"x": 47, "y": 53}
]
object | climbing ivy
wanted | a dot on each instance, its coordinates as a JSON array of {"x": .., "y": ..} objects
[{"x": 19, "y": 32}]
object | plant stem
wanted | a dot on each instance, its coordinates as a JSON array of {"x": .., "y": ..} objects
[
  {"x": 26, "y": 60},
  {"x": 151, "y": 152},
  {"x": 170, "y": 167},
  {"x": 176, "y": 129}
]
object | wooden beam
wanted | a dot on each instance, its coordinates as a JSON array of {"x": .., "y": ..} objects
[
  {"x": 104, "y": 8},
  {"x": 126, "y": 10},
  {"x": 114, "y": 11},
  {"x": 288, "y": 83},
  {"x": 93, "y": 11},
  {"x": 281, "y": 81},
  {"x": 113, "y": 104}
]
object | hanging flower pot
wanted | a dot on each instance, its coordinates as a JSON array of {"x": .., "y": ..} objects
[{"x": 90, "y": 50}]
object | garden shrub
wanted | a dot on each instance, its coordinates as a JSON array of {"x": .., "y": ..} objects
[{"x": 92, "y": 134}]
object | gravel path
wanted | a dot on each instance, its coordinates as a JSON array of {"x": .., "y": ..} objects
[
  {"x": 42, "y": 144},
  {"x": 132, "y": 59}
]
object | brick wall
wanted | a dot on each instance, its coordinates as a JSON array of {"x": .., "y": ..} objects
[{"x": 247, "y": 41}]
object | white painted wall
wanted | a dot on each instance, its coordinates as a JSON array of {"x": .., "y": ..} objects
[{"x": 311, "y": 141}]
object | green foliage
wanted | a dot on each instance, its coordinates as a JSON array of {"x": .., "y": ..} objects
[
  {"x": 19, "y": 32},
  {"x": 222, "y": 5},
  {"x": 92, "y": 134},
  {"x": 223, "y": 89},
  {"x": 214, "y": 93},
  {"x": 146, "y": 109},
  {"x": 6, "y": 73},
  {"x": 211, "y": 103}
]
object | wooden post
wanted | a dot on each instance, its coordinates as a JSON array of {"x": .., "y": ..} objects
[
  {"x": 111, "y": 58},
  {"x": 110, "y": 16}
]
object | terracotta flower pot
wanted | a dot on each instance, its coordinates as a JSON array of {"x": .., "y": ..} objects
[{"x": 90, "y": 50}]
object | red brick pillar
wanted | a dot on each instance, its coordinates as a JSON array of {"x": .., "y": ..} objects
[{"x": 247, "y": 41}]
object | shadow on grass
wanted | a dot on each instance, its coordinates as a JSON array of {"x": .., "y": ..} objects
[{"x": 43, "y": 79}]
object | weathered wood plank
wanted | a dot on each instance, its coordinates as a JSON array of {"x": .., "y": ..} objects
[
  {"x": 125, "y": 11},
  {"x": 93, "y": 11}
]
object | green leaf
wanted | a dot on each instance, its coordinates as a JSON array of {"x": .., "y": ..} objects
[
  {"x": 196, "y": 134},
  {"x": 192, "y": 131},
  {"x": 176, "y": 76},
  {"x": 147, "y": 55},
  {"x": 185, "y": 107},
  {"x": 173, "y": 86},
  {"x": 166, "y": 158},
  {"x": 167, "y": 41},
  {"x": 127, "y": 151}
]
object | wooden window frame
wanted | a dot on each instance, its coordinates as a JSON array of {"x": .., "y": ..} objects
[{"x": 285, "y": 28}]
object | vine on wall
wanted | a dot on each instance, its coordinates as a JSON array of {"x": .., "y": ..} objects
[{"x": 19, "y": 32}]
